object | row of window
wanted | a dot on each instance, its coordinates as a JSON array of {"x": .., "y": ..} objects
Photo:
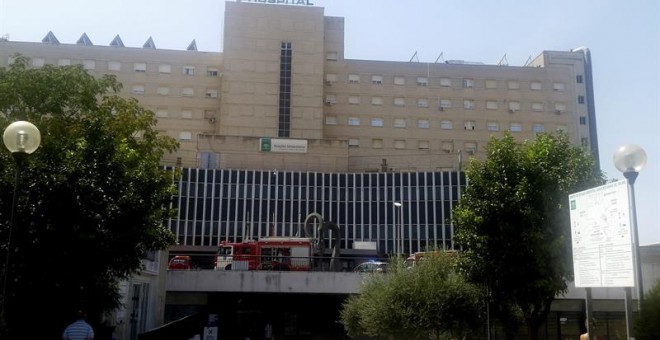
[
  {"x": 165, "y": 91},
  {"x": 445, "y": 104},
  {"x": 468, "y": 125},
  {"x": 467, "y": 83},
  {"x": 185, "y": 113},
  {"x": 90, "y": 64}
]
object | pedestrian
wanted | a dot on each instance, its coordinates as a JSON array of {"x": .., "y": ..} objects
[
  {"x": 268, "y": 331},
  {"x": 79, "y": 329}
]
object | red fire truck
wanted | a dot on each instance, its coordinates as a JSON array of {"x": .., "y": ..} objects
[{"x": 274, "y": 253}]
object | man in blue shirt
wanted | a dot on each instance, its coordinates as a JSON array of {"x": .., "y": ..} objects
[{"x": 79, "y": 329}]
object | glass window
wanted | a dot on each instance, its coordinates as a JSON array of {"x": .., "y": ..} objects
[
  {"x": 163, "y": 91},
  {"x": 447, "y": 146},
  {"x": 376, "y": 100},
  {"x": 446, "y": 125},
  {"x": 538, "y": 127},
  {"x": 399, "y": 102},
  {"x": 422, "y": 102},
  {"x": 514, "y": 85},
  {"x": 354, "y": 142},
  {"x": 330, "y": 78},
  {"x": 399, "y": 144},
  {"x": 491, "y": 84},
  {"x": 423, "y": 144},
  {"x": 89, "y": 64},
  {"x": 514, "y": 106},
  {"x": 164, "y": 68},
  {"x": 187, "y": 114},
  {"x": 353, "y": 121},
  {"x": 161, "y": 113},
  {"x": 330, "y": 99},
  {"x": 515, "y": 127},
  {"x": 399, "y": 81},
  {"x": 471, "y": 148},
  {"x": 579, "y": 79},
  {"x": 537, "y": 107},
  {"x": 114, "y": 66},
  {"x": 469, "y": 125},
  {"x": 468, "y": 104},
  {"x": 493, "y": 126},
  {"x": 491, "y": 105},
  {"x": 184, "y": 135},
  {"x": 187, "y": 91},
  {"x": 558, "y": 86},
  {"x": 331, "y": 56},
  {"x": 354, "y": 100},
  {"x": 580, "y": 99},
  {"x": 377, "y": 80},
  {"x": 330, "y": 120},
  {"x": 212, "y": 72},
  {"x": 422, "y": 81},
  {"x": 583, "y": 120},
  {"x": 423, "y": 124},
  {"x": 189, "y": 70},
  {"x": 445, "y": 104},
  {"x": 536, "y": 85},
  {"x": 61, "y": 62},
  {"x": 137, "y": 89},
  {"x": 140, "y": 67},
  {"x": 445, "y": 82},
  {"x": 211, "y": 93},
  {"x": 560, "y": 108},
  {"x": 399, "y": 123},
  {"x": 468, "y": 83},
  {"x": 377, "y": 143},
  {"x": 353, "y": 79},
  {"x": 378, "y": 122},
  {"x": 38, "y": 62}
]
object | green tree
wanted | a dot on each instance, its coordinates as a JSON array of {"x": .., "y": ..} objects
[
  {"x": 90, "y": 200},
  {"x": 429, "y": 301},
  {"x": 647, "y": 325},
  {"x": 513, "y": 223}
]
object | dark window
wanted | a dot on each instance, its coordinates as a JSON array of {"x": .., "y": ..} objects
[
  {"x": 583, "y": 120},
  {"x": 580, "y": 99},
  {"x": 284, "y": 126},
  {"x": 579, "y": 79}
]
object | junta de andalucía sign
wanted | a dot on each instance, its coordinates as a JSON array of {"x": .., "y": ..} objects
[{"x": 283, "y": 2}]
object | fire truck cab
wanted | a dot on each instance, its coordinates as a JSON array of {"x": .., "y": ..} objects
[{"x": 285, "y": 253}]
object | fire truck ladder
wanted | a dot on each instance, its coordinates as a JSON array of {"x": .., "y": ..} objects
[{"x": 319, "y": 245}]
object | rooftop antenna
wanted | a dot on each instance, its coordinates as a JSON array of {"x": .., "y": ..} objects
[
  {"x": 503, "y": 61},
  {"x": 414, "y": 56},
  {"x": 529, "y": 61},
  {"x": 440, "y": 58}
]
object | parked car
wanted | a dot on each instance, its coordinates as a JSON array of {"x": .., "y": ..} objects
[
  {"x": 179, "y": 262},
  {"x": 371, "y": 267}
]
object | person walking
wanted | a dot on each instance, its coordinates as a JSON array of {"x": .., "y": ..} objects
[{"x": 79, "y": 329}]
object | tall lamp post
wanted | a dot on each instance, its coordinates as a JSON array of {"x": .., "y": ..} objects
[
  {"x": 630, "y": 159},
  {"x": 21, "y": 139},
  {"x": 399, "y": 231}
]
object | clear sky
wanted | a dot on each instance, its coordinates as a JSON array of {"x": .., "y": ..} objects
[{"x": 623, "y": 36}]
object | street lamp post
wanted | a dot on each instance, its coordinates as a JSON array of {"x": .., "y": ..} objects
[
  {"x": 630, "y": 159},
  {"x": 399, "y": 231},
  {"x": 21, "y": 139}
]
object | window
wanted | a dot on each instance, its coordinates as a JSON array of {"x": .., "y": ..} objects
[
  {"x": 583, "y": 120},
  {"x": 211, "y": 93},
  {"x": 331, "y": 56},
  {"x": 468, "y": 104},
  {"x": 163, "y": 91},
  {"x": 399, "y": 144},
  {"x": 468, "y": 83},
  {"x": 353, "y": 79},
  {"x": 377, "y": 143},
  {"x": 515, "y": 127},
  {"x": 491, "y": 105},
  {"x": 378, "y": 122},
  {"x": 137, "y": 89},
  {"x": 399, "y": 123},
  {"x": 536, "y": 85},
  {"x": 491, "y": 84},
  {"x": 538, "y": 127},
  {"x": 422, "y": 102},
  {"x": 38, "y": 62},
  {"x": 187, "y": 114},
  {"x": 354, "y": 142},
  {"x": 62, "y": 62},
  {"x": 330, "y": 120},
  {"x": 579, "y": 79},
  {"x": 446, "y": 125},
  {"x": 354, "y": 100},
  {"x": 469, "y": 125},
  {"x": 211, "y": 72},
  {"x": 330, "y": 78},
  {"x": 447, "y": 146},
  {"x": 184, "y": 135},
  {"x": 493, "y": 126},
  {"x": 422, "y": 81},
  {"x": 89, "y": 64},
  {"x": 423, "y": 124},
  {"x": 560, "y": 108},
  {"x": 471, "y": 148},
  {"x": 399, "y": 102},
  {"x": 584, "y": 141},
  {"x": 114, "y": 66},
  {"x": 208, "y": 160},
  {"x": 514, "y": 85},
  {"x": 165, "y": 68},
  {"x": 376, "y": 100},
  {"x": 423, "y": 144},
  {"x": 580, "y": 99},
  {"x": 330, "y": 99},
  {"x": 445, "y": 82},
  {"x": 399, "y": 81},
  {"x": 162, "y": 113},
  {"x": 445, "y": 104},
  {"x": 377, "y": 80},
  {"x": 140, "y": 67},
  {"x": 561, "y": 128},
  {"x": 514, "y": 106},
  {"x": 353, "y": 121},
  {"x": 558, "y": 86},
  {"x": 189, "y": 70},
  {"x": 187, "y": 92},
  {"x": 537, "y": 107}
]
